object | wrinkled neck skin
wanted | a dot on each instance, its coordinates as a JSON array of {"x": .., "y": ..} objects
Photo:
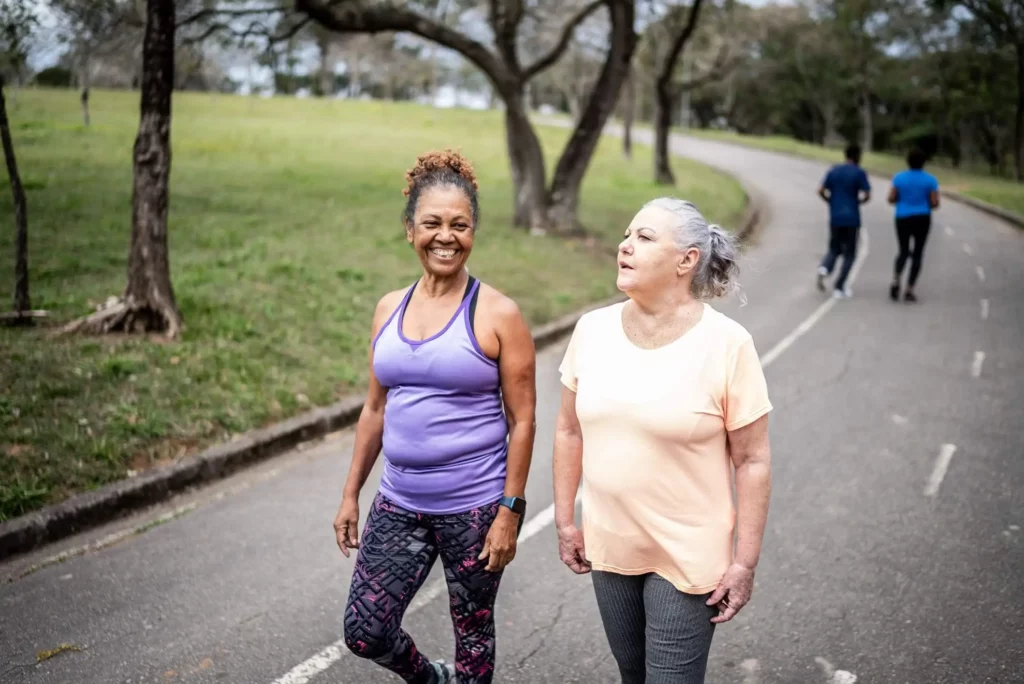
[
  {"x": 662, "y": 306},
  {"x": 439, "y": 287}
]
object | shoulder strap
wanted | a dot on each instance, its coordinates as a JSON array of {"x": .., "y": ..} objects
[{"x": 472, "y": 305}]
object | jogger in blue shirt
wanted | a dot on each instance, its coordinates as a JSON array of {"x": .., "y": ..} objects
[
  {"x": 915, "y": 193},
  {"x": 845, "y": 188}
]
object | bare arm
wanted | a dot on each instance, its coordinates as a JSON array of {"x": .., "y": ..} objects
[
  {"x": 824, "y": 193},
  {"x": 865, "y": 197},
  {"x": 933, "y": 199},
  {"x": 369, "y": 437},
  {"x": 567, "y": 464},
  {"x": 894, "y": 195},
  {"x": 517, "y": 366},
  {"x": 751, "y": 456},
  {"x": 517, "y": 362}
]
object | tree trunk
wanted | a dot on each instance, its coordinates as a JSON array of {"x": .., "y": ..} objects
[
  {"x": 85, "y": 92},
  {"x": 664, "y": 99},
  {"x": 355, "y": 82},
  {"x": 21, "y": 298},
  {"x": 828, "y": 117},
  {"x": 325, "y": 76},
  {"x": 149, "y": 297},
  {"x": 1018, "y": 129},
  {"x": 526, "y": 158},
  {"x": 628, "y": 112},
  {"x": 572, "y": 166},
  {"x": 867, "y": 131}
]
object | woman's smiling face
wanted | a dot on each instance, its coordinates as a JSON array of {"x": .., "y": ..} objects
[{"x": 442, "y": 230}]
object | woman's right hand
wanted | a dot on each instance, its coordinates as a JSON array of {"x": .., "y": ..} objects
[
  {"x": 570, "y": 549},
  {"x": 346, "y": 525}
]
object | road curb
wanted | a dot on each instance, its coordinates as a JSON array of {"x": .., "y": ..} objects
[
  {"x": 1016, "y": 220},
  {"x": 117, "y": 499}
]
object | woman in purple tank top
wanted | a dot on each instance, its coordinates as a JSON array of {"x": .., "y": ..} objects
[{"x": 451, "y": 404}]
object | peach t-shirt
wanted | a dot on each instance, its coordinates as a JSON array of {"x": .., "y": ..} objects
[{"x": 657, "y": 478}]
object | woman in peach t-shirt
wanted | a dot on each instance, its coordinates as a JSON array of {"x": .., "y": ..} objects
[{"x": 664, "y": 399}]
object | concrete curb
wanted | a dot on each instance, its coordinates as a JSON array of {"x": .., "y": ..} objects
[
  {"x": 1015, "y": 220},
  {"x": 120, "y": 498}
]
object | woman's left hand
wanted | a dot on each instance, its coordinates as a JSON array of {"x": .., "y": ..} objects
[
  {"x": 500, "y": 544},
  {"x": 733, "y": 592}
]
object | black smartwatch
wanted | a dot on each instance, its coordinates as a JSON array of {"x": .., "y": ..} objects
[{"x": 516, "y": 505}]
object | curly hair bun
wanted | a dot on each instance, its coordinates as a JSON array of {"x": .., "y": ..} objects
[{"x": 440, "y": 161}]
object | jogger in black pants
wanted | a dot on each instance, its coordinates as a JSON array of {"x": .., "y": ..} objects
[{"x": 915, "y": 194}]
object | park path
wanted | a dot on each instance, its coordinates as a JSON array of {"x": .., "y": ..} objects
[{"x": 892, "y": 552}]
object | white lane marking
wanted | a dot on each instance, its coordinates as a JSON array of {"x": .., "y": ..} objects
[
  {"x": 949, "y": 231},
  {"x": 834, "y": 676},
  {"x": 750, "y": 668},
  {"x": 981, "y": 273},
  {"x": 968, "y": 250},
  {"x": 819, "y": 313},
  {"x": 898, "y": 419},
  {"x": 326, "y": 657},
  {"x": 979, "y": 360},
  {"x": 984, "y": 309},
  {"x": 303, "y": 672},
  {"x": 939, "y": 471}
]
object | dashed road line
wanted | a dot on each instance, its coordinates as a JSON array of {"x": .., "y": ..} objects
[
  {"x": 976, "y": 364},
  {"x": 968, "y": 250},
  {"x": 819, "y": 313},
  {"x": 981, "y": 273},
  {"x": 984, "y": 309},
  {"x": 940, "y": 469}
]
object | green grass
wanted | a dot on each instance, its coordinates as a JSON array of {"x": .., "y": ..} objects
[
  {"x": 284, "y": 232},
  {"x": 1000, "y": 192}
]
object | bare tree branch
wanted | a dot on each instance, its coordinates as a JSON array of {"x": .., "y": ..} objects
[
  {"x": 505, "y": 17},
  {"x": 563, "y": 43},
  {"x": 210, "y": 13},
  {"x": 346, "y": 16},
  {"x": 255, "y": 29},
  {"x": 723, "y": 64},
  {"x": 668, "y": 67}
]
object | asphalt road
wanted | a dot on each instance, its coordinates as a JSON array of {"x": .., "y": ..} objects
[{"x": 894, "y": 544}]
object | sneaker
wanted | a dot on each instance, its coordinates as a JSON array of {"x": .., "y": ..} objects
[
  {"x": 444, "y": 673},
  {"x": 822, "y": 274},
  {"x": 845, "y": 293},
  {"x": 894, "y": 292},
  {"x": 910, "y": 297}
]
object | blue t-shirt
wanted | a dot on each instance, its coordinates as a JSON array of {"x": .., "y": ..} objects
[
  {"x": 844, "y": 183},
  {"x": 913, "y": 191}
]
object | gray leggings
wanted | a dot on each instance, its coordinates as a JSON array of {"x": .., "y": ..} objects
[{"x": 658, "y": 634}]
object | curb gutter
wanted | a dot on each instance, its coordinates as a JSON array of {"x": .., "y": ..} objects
[{"x": 102, "y": 505}]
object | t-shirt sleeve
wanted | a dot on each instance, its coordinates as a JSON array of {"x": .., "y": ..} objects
[
  {"x": 934, "y": 184},
  {"x": 746, "y": 397},
  {"x": 568, "y": 367},
  {"x": 864, "y": 184}
]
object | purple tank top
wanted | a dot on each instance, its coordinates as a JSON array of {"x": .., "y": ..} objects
[{"x": 445, "y": 433}]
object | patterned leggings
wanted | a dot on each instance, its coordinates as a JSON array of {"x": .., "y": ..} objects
[{"x": 396, "y": 553}]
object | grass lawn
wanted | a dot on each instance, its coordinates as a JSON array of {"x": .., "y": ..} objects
[
  {"x": 284, "y": 231},
  {"x": 1001, "y": 192}
]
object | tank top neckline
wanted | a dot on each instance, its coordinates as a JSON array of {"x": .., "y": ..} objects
[{"x": 467, "y": 297}]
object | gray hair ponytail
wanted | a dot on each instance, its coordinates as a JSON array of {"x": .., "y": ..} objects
[{"x": 717, "y": 267}]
